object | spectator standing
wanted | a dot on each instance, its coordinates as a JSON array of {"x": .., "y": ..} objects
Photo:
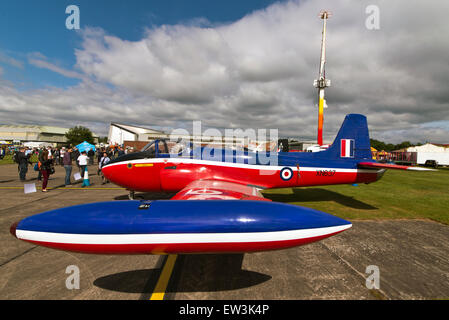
[
  {"x": 61, "y": 156},
  {"x": 39, "y": 163},
  {"x": 56, "y": 156},
  {"x": 76, "y": 154},
  {"x": 99, "y": 156},
  {"x": 23, "y": 160},
  {"x": 82, "y": 161},
  {"x": 104, "y": 161},
  {"x": 67, "y": 162},
  {"x": 91, "y": 155},
  {"x": 46, "y": 163}
]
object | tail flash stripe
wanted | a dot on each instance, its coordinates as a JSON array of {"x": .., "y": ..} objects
[
  {"x": 347, "y": 148},
  {"x": 343, "y": 148}
]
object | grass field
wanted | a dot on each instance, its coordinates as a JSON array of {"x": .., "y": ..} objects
[
  {"x": 8, "y": 159},
  {"x": 398, "y": 195}
]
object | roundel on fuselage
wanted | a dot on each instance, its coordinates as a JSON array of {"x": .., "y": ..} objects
[{"x": 286, "y": 174}]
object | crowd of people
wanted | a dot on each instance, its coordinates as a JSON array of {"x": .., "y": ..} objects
[{"x": 49, "y": 158}]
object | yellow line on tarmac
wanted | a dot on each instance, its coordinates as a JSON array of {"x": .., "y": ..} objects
[{"x": 162, "y": 283}]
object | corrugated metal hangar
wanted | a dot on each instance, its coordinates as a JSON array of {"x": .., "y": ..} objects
[{"x": 19, "y": 134}]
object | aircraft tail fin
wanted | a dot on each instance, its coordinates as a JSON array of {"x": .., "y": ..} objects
[{"x": 352, "y": 141}]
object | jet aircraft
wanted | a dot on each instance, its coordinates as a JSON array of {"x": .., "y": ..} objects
[{"x": 235, "y": 216}]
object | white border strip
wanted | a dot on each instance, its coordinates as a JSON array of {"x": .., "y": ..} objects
[
  {"x": 177, "y": 237},
  {"x": 238, "y": 165}
]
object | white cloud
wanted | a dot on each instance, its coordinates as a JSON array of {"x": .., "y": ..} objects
[
  {"x": 52, "y": 67},
  {"x": 258, "y": 72}
]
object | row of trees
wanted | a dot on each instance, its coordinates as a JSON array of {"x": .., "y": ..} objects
[
  {"x": 379, "y": 145},
  {"x": 79, "y": 134}
]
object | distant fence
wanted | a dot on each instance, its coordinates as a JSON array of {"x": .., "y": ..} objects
[
  {"x": 404, "y": 157},
  {"x": 396, "y": 156}
]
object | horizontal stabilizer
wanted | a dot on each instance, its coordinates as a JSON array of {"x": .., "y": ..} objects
[{"x": 390, "y": 166}]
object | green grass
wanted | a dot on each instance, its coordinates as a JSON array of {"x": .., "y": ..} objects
[
  {"x": 398, "y": 195},
  {"x": 8, "y": 159}
]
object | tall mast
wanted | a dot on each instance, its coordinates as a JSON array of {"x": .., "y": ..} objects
[{"x": 322, "y": 82}]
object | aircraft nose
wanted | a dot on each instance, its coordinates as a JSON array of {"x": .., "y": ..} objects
[
  {"x": 13, "y": 229},
  {"x": 106, "y": 170}
]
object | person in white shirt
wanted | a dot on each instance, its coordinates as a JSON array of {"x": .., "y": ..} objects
[
  {"x": 82, "y": 161},
  {"x": 28, "y": 151}
]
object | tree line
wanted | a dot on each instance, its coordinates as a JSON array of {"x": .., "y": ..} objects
[
  {"x": 79, "y": 134},
  {"x": 379, "y": 145}
]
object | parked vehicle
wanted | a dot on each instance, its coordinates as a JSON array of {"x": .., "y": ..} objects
[{"x": 431, "y": 163}]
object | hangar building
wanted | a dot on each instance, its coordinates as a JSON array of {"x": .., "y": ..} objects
[
  {"x": 119, "y": 133},
  {"x": 430, "y": 151},
  {"x": 23, "y": 134}
]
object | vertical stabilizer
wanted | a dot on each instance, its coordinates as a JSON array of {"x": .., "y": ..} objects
[{"x": 352, "y": 141}]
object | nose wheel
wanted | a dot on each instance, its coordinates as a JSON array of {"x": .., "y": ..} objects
[{"x": 132, "y": 195}]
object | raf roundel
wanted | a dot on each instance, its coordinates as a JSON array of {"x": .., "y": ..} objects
[{"x": 286, "y": 174}]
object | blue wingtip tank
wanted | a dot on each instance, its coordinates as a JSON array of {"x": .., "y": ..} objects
[{"x": 178, "y": 226}]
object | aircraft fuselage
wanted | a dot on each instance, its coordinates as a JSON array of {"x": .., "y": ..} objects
[{"x": 167, "y": 174}]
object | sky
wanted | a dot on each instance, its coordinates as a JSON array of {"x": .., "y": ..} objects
[{"x": 230, "y": 64}]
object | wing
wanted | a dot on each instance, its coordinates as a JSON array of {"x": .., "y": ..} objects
[
  {"x": 390, "y": 166},
  {"x": 218, "y": 190}
]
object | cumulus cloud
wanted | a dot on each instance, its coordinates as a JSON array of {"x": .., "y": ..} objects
[{"x": 257, "y": 72}]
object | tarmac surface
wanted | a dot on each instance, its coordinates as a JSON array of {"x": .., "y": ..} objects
[{"x": 411, "y": 256}]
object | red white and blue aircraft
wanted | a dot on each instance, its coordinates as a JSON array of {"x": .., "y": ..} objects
[{"x": 239, "y": 219}]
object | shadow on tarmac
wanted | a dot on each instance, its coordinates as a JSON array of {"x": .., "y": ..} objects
[
  {"x": 318, "y": 195},
  {"x": 192, "y": 273},
  {"x": 147, "y": 196},
  {"x": 135, "y": 281},
  {"x": 213, "y": 272},
  {"x": 5, "y": 181}
]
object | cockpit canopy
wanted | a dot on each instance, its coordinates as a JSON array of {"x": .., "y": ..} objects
[{"x": 158, "y": 148}]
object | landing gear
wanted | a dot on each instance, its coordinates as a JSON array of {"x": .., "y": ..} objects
[{"x": 132, "y": 195}]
